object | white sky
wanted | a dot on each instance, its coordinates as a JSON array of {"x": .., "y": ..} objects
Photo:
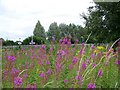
[{"x": 19, "y": 17}]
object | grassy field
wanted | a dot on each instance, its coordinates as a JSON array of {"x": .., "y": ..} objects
[{"x": 60, "y": 66}]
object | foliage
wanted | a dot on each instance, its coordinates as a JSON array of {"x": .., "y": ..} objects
[
  {"x": 103, "y": 20},
  {"x": 63, "y": 30},
  {"x": 53, "y": 32},
  {"x": 36, "y": 39},
  {"x": 9, "y": 43},
  {"x": 39, "y": 31}
]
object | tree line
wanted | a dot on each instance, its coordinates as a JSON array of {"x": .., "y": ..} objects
[{"x": 102, "y": 21}]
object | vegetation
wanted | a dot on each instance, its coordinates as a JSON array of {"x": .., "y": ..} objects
[
  {"x": 103, "y": 21},
  {"x": 61, "y": 66},
  {"x": 39, "y": 31},
  {"x": 36, "y": 39}
]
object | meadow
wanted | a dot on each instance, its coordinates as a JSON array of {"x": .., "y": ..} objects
[{"x": 60, "y": 66}]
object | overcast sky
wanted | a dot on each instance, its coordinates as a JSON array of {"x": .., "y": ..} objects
[{"x": 18, "y": 17}]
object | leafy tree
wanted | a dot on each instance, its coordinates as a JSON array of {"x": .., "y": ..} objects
[
  {"x": 53, "y": 31},
  {"x": 63, "y": 28},
  {"x": 103, "y": 21},
  {"x": 39, "y": 31}
]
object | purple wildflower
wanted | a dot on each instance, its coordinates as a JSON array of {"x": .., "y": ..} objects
[
  {"x": 91, "y": 85},
  {"x": 11, "y": 58},
  {"x": 84, "y": 65},
  {"x": 79, "y": 83},
  {"x": 81, "y": 51},
  {"x": 63, "y": 53},
  {"x": 88, "y": 61},
  {"x": 94, "y": 65},
  {"x": 14, "y": 71},
  {"x": 69, "y": 43},
  {"x": 70, "y": 36},
  {"x": 51, "y": 48},
  {"x": 70, "y": 66},
  {"x": 36, "y": 46},
  {"x": 93, "y": 47},
  {"x": 76, "y": 40},
  {"x": 74, "y": 60},
  {"x": 65, "y": 40},
  {"x": 31, "y": 57},
  {"x": 27, "y": 65},
  {"x": 43, "y": 46},
  {"x": 83, "y": 44},
  {"x": 78, "y": 77},
  {"x": 22, "y": 49},
  {"x": 42, "y": 74},
  {"x": 65, "y": 81},
  {"x": 60, "y": 40},
  {"x": 118, "y": 49},
  {"x": 18, "y": 81},
  {"x": 118, "y": 42},
  {"x": 5, "y": 71},
  {"x": 57, "y": 65},
  {"x": 117, "y": 62},
  {"x": 40, "y": 62},
  {"x": 100, "y": 73},
  {"x": 48, "y": 62},
  {"x": 93, "y": 55},
  {"x": 48, "y": 72}
]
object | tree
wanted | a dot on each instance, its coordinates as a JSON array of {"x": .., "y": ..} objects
[
  {"x": 9, "y": 43},
  {"x": 53, "y": 31},
  {"x": 103, "y": 21},
  {"x": 63, "y": 28},
  {"x": 39, "y": 31}
]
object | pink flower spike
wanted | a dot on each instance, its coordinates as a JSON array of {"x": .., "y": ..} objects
[
  {"x": 79, "y": 77},
  {"x": 60, "y": 40},
  {"x": 84, "y": 65},
  {"x": 48, "y": 62},
  {"x": 48, "y": 72},
  {"x": 76, "y": 40},
  {"x": 93, "y": 47},
  {"x": 93, "y": 55},
  {"x": 43, "y": 46},
  {"x": 17, "y": 81},
  {"x": 100, "y": 73},
  {"x": 70, "y": 66},
  {"x": 63, "y": 52},
  {"x": 65, "y": 81},
  {"x": 11, "y": 58},
  {"x": 81, "y": 51},
  {"x": 74, "y": 60},
  {"x": 69, "y": 43},
  {"x": 83, "y": 44},
  {"x": 94, "y": 65},
  {"x": 51, "y": 49},
  {"x": 42, "y": 75},
  {"x": 91, "y": 85},
  {"x": 70, "y": 36}
]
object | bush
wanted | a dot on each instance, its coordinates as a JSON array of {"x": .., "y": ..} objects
[
  {"x": 36, "y": 39},
  {"x": 9, "y": 43}
]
